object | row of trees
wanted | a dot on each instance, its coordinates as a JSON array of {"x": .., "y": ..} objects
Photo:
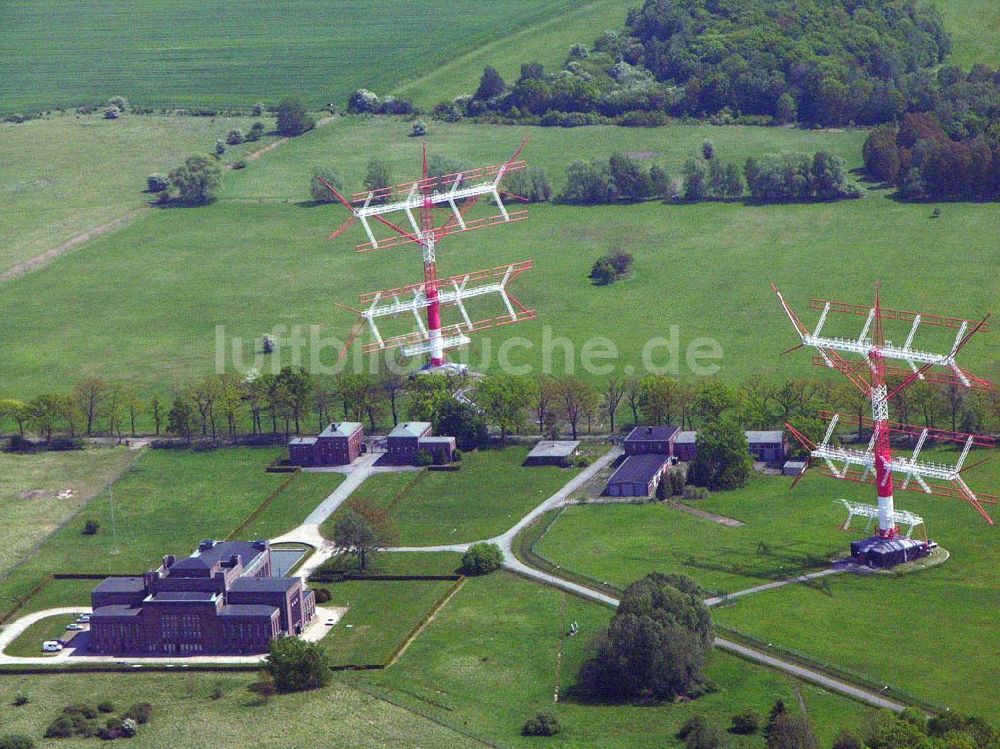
[
  {"x": 921, "y": 160},
  {"x": 773, "y": 178},
  {"x": 293, "y": 400}
]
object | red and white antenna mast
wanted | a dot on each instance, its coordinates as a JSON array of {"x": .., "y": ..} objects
[
  {"x": 457, "y": 194},
  {"x": 873, "y": 360}
]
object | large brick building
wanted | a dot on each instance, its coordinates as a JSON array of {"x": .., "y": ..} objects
[
  {"x": 221, "y": 599},
  {"x": 337, "y": 445},
  {"x": 657, "y": 440}
]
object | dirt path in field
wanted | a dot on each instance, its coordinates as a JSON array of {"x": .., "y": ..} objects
[
  {"x": 43, "y": 259},
  {"x": 720, "y": 519},
  {"x": 39, "y": 261}
]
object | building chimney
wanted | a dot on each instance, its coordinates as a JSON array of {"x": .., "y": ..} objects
[{"x": 168, "y": 561}]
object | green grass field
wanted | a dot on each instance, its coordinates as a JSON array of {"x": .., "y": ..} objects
[
  {"x": 186, "y": 715},
  {"x": 224, "y": 54},
  {"x": 973, "y": 25},
  {"x": 490, "y": 493},
  {"x": 290, "y": 507},
  {"x": 369, "y": 634},
  {"x": 64, "y": 176},
  {"x": 30, "y": 487},
  {"x": 166, "y": 503},
  {"x": 490, "y": 658},
  {"x": 857, "y": 616}
]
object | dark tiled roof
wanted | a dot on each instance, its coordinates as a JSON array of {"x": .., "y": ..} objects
[
  {"x": 247, "y": 609},
  {"x": 220, "y": 552},
  {"x": 121, "y": 585},
  {"x": 645, "y": 434},
  {"x": 105, "y": 612},
  {"x": 263, "y": 584},
  {"x": 638, "y": 469}
]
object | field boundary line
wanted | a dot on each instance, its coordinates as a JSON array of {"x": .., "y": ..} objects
[
  {"x": 462, "y": 60},
  {"x": 255, "y": 513},
  {"x": 425, "y": 620},
  {"x": 50, "y": 255},
  {"x": 385, "y": 697}
]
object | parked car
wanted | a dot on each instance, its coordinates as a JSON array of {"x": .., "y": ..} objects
[
  {"x": 330, "y": 622},
  {"x": 74, "y": 627},
  {"x": 51, "y": 646},
  {"x": 83, "y": 619}
]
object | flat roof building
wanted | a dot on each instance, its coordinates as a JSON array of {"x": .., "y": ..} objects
[{"x": 552, "y": 453}]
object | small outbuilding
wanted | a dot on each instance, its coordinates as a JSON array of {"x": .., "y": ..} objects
[
  {"x": 793, "y": 467},
  {"x": 685, "y": 445},
  {"x": 769, "y": 446},
  {"x": 442, "y": 449},
  {"x": 553, "y": 453},
  {"x": 637, "y": 476}
]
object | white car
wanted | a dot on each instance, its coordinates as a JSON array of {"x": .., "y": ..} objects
[
  {"x": 51, "y": 646},
  {"x": 74, "y": 627},
  {"x": 83, "y": 619}
]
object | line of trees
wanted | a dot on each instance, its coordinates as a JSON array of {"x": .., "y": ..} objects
[
  {"x": 229, "y": 406},
  {"x": 772, "y": 178}
]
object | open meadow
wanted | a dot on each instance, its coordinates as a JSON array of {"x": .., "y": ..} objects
[
  {"x": 63, "y": 176},
  {"x": 201, "y": 710},
  {"x": 488, "y": 495},
  {"x": 234, "y": 270},
  {"x": 788, "y": 533},
  {"x": 40, "y": 492}
]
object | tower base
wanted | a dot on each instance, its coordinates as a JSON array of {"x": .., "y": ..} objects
[{"x": 883, "y": 553}]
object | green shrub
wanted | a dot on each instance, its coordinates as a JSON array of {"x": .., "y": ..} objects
[
  {"x": 257, "y": 130},
  {"x": 694, "y": 723},
  {"x": 293, "y": 117},
  {"x": 157, "y": 183},
  {"x": 16, "y": 741},
  {"x": 419, "y": 128},
  {"x": 296, "y": 665},
  {"x": 543, "y": 724},
  {"x": 424, "y": 458},
  {"x": 481, "y": 559},
  {"x": 456, "y": 456},
  {"x": 91, "y": 528},
  {"x": 140, "y": 712},
  {"x": 129, "y": 728},
  {"x": 78, "y": 708},
  {"x": 21, "y": 699},
  {"x": 216, "y": 694},
  {"x": 706, "y": 735},
  {"x": 320, "y": 192},
  {"x": 60, "y": 728},
  {"x": 322, "y": 595},
  {"x": 746, "y": 723},
  {"x": 847, "y": 740},
  {"x": 105, "y": 707},
  {"x": 235, "y": 136},
  {"x": 695, "y": 492}
]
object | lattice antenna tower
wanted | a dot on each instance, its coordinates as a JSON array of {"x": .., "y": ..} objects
[
  {"x": 867, "y": 361},
  {"x": 415, "y": 202}
]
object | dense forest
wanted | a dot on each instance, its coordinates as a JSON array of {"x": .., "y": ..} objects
[{"x": 818, "y": 62}]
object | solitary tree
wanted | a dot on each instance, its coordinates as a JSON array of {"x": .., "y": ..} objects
[
  {"x": 657, "y": 644},
  {"x": 197, "y": 180},
  {"x": 377, "y": 177},
  {"x": 293, "y": 117},
  {"x": 723, "y": 458},
  {"x": 297, "y": 665},
  {"x": 319, "y": 191},
  {"x": 363, "y": 530}
]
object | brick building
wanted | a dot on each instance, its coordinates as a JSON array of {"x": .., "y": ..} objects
[
  {"x": 638, "y": 475},
  {"x": 651, "y": 441},
  {"x": 769, "y": 446},
  {"x": 221, "y": 599},
  {"x": 338, "y": 445},
  {"x": 408, "y": 438}
]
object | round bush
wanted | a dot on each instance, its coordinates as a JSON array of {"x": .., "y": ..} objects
[
  {"x": 481, "y": 559},
  {"x": 157, "y": 183},
  {"x": 746, "y": 723},
  {"x": 543, "y": 724},
  {"x": 16, "y": 741},
  {"x": 322, "y": 595}
]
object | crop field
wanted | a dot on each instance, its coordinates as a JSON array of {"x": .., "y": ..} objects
[
  {"x": 30, "y": 486},
  {"x": 368, "y": 634},
  {"x": 218, "y": 53},
  {"x": 187, "y": 713},
  {"x": 166, "y": 503},
  {"x": 490, "y": 658},
  {"x": 788, "y": 533},
  {"x": 66, "y": 175},
  {"x": 490, "y": 493}
]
